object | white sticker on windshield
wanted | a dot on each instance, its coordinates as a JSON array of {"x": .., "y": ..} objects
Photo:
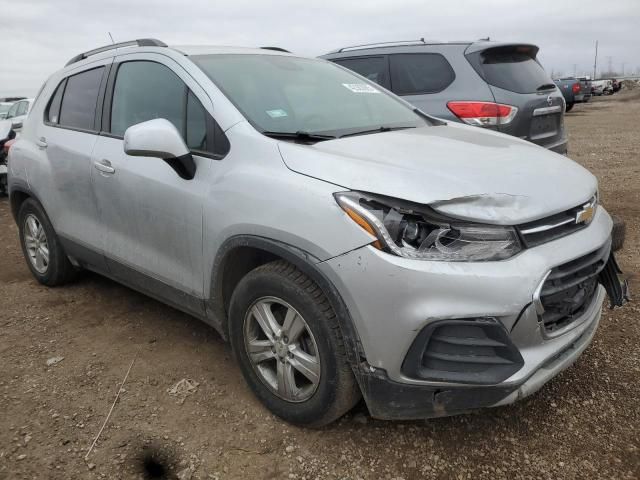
[
  {"x": 278, "y": 113},
  {"x": 360, "y": 88}
]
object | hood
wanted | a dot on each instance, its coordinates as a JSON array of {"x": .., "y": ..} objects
[{"x": 462, "y": 171}]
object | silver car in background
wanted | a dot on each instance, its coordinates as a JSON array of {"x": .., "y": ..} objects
[{"x": 345, "y": 243}]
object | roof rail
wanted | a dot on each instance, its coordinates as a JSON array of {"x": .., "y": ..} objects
[
  {"x": 140, "y": 42},
  {"x": 276, "y": 49},
  {"x": 399, "y": 43}
]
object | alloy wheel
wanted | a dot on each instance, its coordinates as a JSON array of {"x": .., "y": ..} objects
[
  {"x": 36, "y": 244},
  {"x": 282, "y": 349}
]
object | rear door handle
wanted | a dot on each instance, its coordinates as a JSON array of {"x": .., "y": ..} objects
[
  {"x": 104, "y": 166},
  {"x": 42, "y": 142}
]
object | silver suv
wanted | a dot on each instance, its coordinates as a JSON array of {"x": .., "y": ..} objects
[{"x": 344, "y": 242}]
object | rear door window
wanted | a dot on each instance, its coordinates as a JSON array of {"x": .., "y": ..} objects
[
  {"x": 78, "y": 108},
  {"x": 420, "y": 73},
  {"x": 371, "y": 68},
  {"x": 514, "y": 69}
]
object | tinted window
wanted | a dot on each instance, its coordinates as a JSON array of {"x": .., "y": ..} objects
[
  {"x": 78, "y": 107},
  {"x": 144, "y": 91},
  {"x": 372, "y": 68},
  {"x": 416, "y": 73},
  {"x": 53, "y": 113},
  {"x": 513, "y": 69},
  {"x": 196, "y": 125}
]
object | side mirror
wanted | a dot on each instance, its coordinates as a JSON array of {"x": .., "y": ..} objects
[{"x": 160, "y": 138}]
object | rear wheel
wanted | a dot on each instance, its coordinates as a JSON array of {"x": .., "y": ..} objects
[
  {"x": 41, "y": 246},
  {"x": 286, "y": 339}
]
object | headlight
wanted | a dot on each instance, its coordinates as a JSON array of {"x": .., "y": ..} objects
[{"x": 413, "y": 231}]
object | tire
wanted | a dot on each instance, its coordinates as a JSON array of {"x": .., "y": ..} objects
[
  {"x": 568, "y": 107},
  {"x": 57, "y": 270},
  {"x": 618, "y": 233},
  {"x": 280, "y": 288}
]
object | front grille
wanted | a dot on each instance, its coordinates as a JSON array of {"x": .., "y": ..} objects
[
  {"x": 553, "y": 227},
  {"x": 477, "y": 351},
  {"x": 569, "y": 288}
]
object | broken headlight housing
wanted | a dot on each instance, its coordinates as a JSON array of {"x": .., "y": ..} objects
[{"x": 417, "y": 232}]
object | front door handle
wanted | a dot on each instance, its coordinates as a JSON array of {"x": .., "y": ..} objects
[
  {"x": 42, "y": 142},
  {"x": 104, "y": 166}
]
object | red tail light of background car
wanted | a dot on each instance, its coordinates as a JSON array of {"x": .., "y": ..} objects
[{"x": 483, "y": 114}]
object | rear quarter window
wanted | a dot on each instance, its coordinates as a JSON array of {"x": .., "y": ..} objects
[
  {"x": 420, "y": 73},
  {"x": 511, "y": 68}
]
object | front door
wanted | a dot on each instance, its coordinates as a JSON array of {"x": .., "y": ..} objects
[{"x": 152, "y": 218}]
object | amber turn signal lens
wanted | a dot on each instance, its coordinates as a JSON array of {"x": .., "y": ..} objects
[{"x": 364, "y": 224}]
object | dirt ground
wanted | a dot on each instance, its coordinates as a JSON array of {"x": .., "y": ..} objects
[{"x": 583, "y": 424}]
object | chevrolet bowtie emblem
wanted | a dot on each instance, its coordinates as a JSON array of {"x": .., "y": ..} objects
[{"x": 586, "y": 214}]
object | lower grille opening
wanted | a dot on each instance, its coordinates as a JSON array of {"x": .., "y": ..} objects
[
  {"x": 477, "y": 351},
  {"x": 568, "y": 290}
]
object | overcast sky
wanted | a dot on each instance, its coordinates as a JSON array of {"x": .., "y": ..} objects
[{"x": 39, "y": 36}]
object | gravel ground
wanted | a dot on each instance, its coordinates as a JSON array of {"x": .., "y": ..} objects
[{"x": 583, "y": 424}]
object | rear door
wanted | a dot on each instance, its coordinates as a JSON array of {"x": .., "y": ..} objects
[
  {"x": 421, "y": 78},
  {"x": 67, "y": 138},
  {"x": 517, "y": 79}
]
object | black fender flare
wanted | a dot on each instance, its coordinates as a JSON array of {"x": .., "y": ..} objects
[
  {"x": 302, "y": 260},
  {"x": 20, "y": 187}
]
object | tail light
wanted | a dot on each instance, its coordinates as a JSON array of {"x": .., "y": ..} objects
[
  {"x": 483, "y": 114},
  {"x": 575, "y": 88}
]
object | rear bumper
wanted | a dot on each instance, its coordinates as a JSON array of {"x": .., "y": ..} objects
[
  {"x": 561, "y": 147},
  {"x": 390, "y": 400}
]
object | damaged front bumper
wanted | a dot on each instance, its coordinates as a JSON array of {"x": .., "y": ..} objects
[{"x": 393, "y": 301}]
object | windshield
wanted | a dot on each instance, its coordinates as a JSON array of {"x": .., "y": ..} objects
[{"x": 291, "y": 94}]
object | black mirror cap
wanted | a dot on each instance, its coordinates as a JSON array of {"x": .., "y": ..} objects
[{"x": 184, "y": 166}]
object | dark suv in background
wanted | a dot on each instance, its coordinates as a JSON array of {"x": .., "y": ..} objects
[{"x": 496, "y": 85}]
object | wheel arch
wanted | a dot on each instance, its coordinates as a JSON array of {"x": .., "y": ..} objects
[
  {"x": 17, "y": 196},
  {"x": 242, "y": 253}
]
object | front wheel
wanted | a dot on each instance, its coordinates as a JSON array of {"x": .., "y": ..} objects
[
  {"x": 287, "y": 341},
  {"x": 568, "y": 107}
]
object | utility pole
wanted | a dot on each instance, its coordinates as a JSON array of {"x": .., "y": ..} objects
[
  {"x": 595, "y": 62},
  {"x": 623, "y": 64},
  {"x": 610, "y": 62},
  {"x": 575, "y": 68}
]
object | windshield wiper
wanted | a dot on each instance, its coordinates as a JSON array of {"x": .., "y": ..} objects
[
  {"x": 546, "y": 86},
  {"x": 299, "y": 135},
  {"x": 374, "y": 130}
]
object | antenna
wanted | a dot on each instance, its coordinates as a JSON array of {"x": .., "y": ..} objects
[{"x": 111, "y": 37}]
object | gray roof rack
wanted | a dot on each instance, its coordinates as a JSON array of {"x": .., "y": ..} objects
[
  {"x": 276, "y": 49},
  {"x": 399, "y": 43},
  {"x": 141, "y": 42}
]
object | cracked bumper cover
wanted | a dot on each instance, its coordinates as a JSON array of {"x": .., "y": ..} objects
[
  {"x": 391, "y": 400},
  {"x": 391, "y": 299}
]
